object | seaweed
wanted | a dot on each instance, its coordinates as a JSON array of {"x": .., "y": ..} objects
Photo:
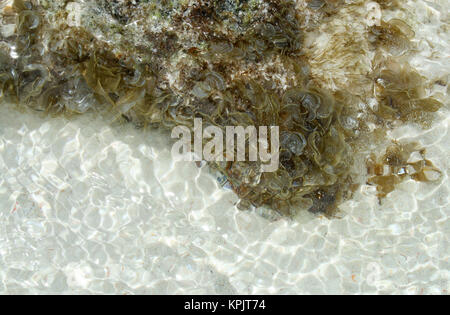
[
  {"x": 395, "y": 166},
  {"x": 232, "y": 63},
  {"x": 402, "y": 96}
]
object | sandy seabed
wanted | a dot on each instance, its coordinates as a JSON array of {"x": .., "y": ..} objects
[{"x": 86, "y": 207}]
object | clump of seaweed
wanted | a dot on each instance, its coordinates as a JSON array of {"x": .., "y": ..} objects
[
  {"x": 398, "y": 164},
  {"x": 232, "y": 63},
  {"x": 393, "y": 36},
  {"x": 402, "y": 95}
]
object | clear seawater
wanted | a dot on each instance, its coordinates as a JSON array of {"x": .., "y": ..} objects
[{"x": 86, "y": 207}]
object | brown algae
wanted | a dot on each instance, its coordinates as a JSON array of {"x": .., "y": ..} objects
[
  {"x": 231, "y": 63},
  {"x": 397, "y": 165}
]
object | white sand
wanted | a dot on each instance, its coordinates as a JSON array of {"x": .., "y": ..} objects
[{"x": 90, "y": 208}]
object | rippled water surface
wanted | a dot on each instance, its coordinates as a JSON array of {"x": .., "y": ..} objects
[
  {"x": 86, "y": 207},
  {"x": 90, "y": 208}
]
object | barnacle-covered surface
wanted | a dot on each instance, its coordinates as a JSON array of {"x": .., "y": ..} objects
[
  {"x": 232, "y": 63},
  {"x": 91, "y": 205}
]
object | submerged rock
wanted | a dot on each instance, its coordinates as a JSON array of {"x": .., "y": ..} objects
[{"x": 232, "y": 63}]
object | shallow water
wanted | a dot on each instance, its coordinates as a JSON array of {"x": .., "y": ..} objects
[
  {"x": 90, "y": 208},
  {"x": 86, "y": 207}
]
